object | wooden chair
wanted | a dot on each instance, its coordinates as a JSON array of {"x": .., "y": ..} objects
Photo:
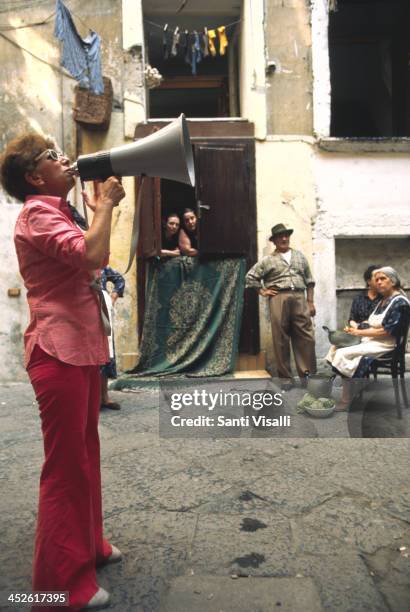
[{"x": 393, "y": 363}]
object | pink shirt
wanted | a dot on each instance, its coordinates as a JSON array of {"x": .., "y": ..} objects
[{"x": 65, "y": 318}]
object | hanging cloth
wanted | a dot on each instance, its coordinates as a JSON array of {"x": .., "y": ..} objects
[
  {"x": 196, "y": 52},
  {"x": 204, "y": 43},
  {"x": 189, "y": 49},
  {"x": 175, "y": 42},
  {"x": 80, "y": 56},
  {"x": 223, "y": 40},
  {"x": 211, "y": 42},
  {"x": 183, "y": 43},
  {"x": 167, "y": 39}
]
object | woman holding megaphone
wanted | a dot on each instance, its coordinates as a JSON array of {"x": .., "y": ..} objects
[{"x": 65, "y": 343}]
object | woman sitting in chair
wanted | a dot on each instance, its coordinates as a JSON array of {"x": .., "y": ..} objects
[{"x": 354, "y": 362}]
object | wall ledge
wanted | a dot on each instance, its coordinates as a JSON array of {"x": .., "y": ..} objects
[{"x": 364, "y": 145}]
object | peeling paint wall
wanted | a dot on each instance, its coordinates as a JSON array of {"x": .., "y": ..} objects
[
  {"x": 36, "y": 94},
  {"x": 285, "y": 194},
  {"x": 288, "y": 51},
  {"x": 279, "y": 102},
  {"x": 14, "y": 317}
]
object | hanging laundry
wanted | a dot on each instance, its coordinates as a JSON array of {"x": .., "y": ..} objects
[
  {"x": 167, "y": 38},
  {"x": 204, "y": 43},
  {"x": 196, "y": 52},
  {"x": 189, "y": 49},
  {"x": 80, "y": 56},
  {"x": 183, "y": 43},
  {"x": 175, "y": 42},
  {"x": 211, "y": 42},
  {"x": 223, "y": 41}
]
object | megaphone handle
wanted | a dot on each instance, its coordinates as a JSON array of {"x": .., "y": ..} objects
[{"x": 135, "y": 226}]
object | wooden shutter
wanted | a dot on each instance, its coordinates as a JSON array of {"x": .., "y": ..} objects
[{"x": 225, "y": 205}]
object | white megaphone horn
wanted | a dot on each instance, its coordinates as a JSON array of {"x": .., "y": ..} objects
[{"x": 166, "y": 154}]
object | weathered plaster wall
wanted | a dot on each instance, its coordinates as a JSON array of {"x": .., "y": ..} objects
[
  {"x": 320, "y": 67},
  {"x": 13, "y": 320},
  {"x": 252, "y": 66},
  {"x": 285, "y": 194},
  {"x": 357, "y": 195},
  {"x": 288, "y": 45},
  {"x": 35, "y": 94}
]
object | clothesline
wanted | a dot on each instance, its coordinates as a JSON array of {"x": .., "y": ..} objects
[
  {"x": 161, "y": 27},
  {"x": 192, "y": 46}
]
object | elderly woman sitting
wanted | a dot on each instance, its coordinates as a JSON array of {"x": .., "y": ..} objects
[{"x": 354, "y": 362}]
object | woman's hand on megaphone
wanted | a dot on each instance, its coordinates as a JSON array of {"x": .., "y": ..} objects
[{"x": 109, "y": 192}]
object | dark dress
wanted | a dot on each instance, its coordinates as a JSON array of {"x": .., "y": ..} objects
[
  {"x": 362, "y": 307},
  {"x": 171, "y": 243}
]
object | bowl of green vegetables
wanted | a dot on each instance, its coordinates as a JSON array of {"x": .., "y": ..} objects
[{"x": 319, "y": 408}]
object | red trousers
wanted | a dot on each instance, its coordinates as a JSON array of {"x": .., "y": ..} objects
[{"x": 69, "y": 539}]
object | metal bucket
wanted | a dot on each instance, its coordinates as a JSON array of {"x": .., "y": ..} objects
[
  {"x": 320, "y": 386},
  {"x": 340, "y": 338}
]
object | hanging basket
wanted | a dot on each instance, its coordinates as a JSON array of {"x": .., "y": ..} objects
[{"x": 91, "y": 110}]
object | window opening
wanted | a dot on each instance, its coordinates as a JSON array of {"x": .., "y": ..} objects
[
  {"x": 197, "y": 56},
  {"x": 369, "y": 52},
  {"x": 175, "y": 198}
]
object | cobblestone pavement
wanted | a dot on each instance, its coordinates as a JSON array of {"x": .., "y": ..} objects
[{"x": 245, "y": 524}]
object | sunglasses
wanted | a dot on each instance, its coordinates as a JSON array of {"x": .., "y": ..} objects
[{"x": 50, "y": 154}]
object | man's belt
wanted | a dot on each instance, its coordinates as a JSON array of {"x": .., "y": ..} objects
[{"x": 288, "y": 290}]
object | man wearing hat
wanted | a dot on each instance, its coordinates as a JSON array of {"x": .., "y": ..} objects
[{"x": 284, "y": 277}]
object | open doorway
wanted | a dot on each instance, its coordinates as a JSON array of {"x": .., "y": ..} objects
[{"x": 196, "y": 52}]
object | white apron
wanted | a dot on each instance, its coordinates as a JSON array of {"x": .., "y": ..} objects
[{"x": 346, "y": 360}]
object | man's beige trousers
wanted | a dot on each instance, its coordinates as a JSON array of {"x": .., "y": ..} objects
[{"x": 291, "y": 322}]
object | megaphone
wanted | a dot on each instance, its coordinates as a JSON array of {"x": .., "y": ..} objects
[{"x": 166, "y": 154}]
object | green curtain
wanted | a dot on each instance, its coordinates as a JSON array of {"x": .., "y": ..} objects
[{"x": 193, "y": 316}]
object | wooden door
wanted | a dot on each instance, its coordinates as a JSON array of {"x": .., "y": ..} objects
[{"x": 224, "y": 203}]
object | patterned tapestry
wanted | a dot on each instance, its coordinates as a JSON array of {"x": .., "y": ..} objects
[{"x": 192, "y": 317}]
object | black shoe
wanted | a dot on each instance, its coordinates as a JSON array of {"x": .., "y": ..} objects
[
  {"x": 287, "y": 386},
  {"x": 111, "y": 406}
]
